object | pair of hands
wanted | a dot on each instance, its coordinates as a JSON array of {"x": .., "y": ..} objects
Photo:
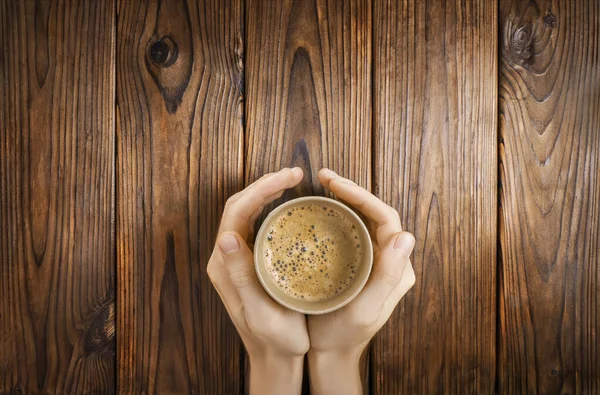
[{"x": 277, "y": 338}]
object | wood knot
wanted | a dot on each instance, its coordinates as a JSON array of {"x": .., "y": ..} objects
[
  {"x": 550, "y": 20},
  {"x": 169, "y": 63},
  {"x": 163, "y": 52},
  {"x": 100, "y": 336},
  {"x": 520, "y": 44},
  {"x": 239, "y": 55},
  {"x": 521, "y": 39}
]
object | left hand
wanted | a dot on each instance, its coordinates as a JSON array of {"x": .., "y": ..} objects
[{"x": 276, "y": 338}]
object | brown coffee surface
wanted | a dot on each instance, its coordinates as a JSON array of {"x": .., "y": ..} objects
[{"x": 312, "y": 251}]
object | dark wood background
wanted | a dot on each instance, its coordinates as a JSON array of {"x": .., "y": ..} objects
[{"x": 125, "y": 126}]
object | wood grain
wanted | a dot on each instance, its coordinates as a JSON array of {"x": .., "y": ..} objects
[
  {"x": 550, "y": 197},
  {"x": 308, "y": 90},
  {"x": 180, "y": 133},
  {"x": 57, "y": 278},
  {"x": 434, "y": 160}
]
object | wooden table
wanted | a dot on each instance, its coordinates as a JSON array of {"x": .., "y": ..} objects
[{"x": 125, "y": 126}]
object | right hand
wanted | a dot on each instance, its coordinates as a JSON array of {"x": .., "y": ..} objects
[{"x": 337, "y": 339}]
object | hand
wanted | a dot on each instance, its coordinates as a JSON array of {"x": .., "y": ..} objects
[
  {"x": 338, "y": 339},
  {"x": 276, "y": 338}
]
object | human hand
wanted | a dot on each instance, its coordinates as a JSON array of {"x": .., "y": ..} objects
[
  {"x": 276, "y": 338},
  {"x": 337, "y": 339}
]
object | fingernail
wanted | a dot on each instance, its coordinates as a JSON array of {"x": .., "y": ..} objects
[
  {"x": 405, "y": 242},
  {"x": 228, "y": 244},
  {"x": 330, "y": 173}
]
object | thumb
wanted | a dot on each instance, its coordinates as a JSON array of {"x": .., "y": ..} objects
[
  {"x": 388, "y": 270},
  {"x": 239, "y": 263}
]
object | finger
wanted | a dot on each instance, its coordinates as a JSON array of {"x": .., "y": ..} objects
[
  {"x": 239, "y": 263},
  {"x": 238, "y": 211},
  {"x": 369, "y": 205},
  {"x": 220, "y": 279},
  {"x": 387, "y": 275},
  {"x": 257, "y": 214},
  {"x": 267, "y": 201},
  {"x": 384, "y": 216},
  {"x": 408, "y": 280}
]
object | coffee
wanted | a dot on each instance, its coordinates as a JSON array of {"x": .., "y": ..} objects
[{"x": 312, "y": 251}]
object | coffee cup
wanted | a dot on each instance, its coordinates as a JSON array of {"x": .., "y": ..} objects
[{"x": 313, "y": 254}]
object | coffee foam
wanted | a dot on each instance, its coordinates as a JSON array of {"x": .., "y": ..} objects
[{"x": 312, "y": 252}]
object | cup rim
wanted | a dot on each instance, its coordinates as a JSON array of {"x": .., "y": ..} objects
[{"x": 368, "y": 258}]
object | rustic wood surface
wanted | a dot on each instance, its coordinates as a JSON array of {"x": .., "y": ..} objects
[
  {"x": 308, "y": 94},
  {"x": 434, "y": 94},
  {"x": 179, "y": 158},
  {"x": 125, "y": 126},
  {"x": 549, "y": 127},
  {"x": 57, "y": 277}
]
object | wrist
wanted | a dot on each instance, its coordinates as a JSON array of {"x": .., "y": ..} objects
[
  {"x": 276, "y": 374},
  {"x": 334, "y": 371}
]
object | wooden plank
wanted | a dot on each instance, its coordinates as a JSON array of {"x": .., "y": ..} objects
[
  {"x": 57, "y": 279},
  {"x": 309, "y": 100},
  {"x": 180, "y": 137},
  {"x": 435, "y": 161},
  {"x": 550, "y": 197}
]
